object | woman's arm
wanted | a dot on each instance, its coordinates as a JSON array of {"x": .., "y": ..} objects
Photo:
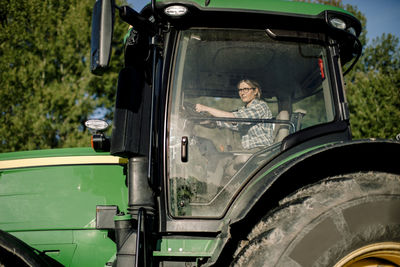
[{"x": 214, "y": 112}]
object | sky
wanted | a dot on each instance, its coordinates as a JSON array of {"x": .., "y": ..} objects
[{"x": 382, "y": 15}]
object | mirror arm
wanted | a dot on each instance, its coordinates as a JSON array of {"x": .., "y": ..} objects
[
  {"x": 355, "y": 60},
  {"x": 133, "y": 18},
  {"x": 153, "y": 6}
]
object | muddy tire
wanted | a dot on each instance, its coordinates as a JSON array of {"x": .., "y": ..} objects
[{"x": 343, "y": 220}]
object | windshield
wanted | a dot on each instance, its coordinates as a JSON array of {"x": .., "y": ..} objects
[{"x": 236, "y": 94}]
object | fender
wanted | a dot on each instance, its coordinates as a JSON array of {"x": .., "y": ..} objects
[
  {"x": 282, "y": 177},
  {"x": 286, "y": 174},
  {"x": 14, "y": 251}
]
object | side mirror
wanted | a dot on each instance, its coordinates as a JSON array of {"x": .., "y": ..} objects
[{"x": 102, "y": 31}]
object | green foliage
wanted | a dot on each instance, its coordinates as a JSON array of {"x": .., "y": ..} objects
[
  {"x": 373, "y": 90},
  {"x": 383, "y": 55},
  {"x": 375, "y": 105},
  {"x": 47, "y": 91}
]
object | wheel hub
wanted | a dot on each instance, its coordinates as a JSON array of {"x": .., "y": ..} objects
[{"x": 385, "y": 254}]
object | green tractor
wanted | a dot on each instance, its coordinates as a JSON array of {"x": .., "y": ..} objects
[{"x": 231, "y": 146}]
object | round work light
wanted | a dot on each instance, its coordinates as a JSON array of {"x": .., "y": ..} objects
[{"x": 175, "y": 10}]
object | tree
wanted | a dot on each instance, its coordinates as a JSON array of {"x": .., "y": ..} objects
[
  {"x": 382, "y": 55},
  {"x": 47, "y": 92},
  {"x": 373, "y": 90}
]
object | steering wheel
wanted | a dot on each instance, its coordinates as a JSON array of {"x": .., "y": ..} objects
[
  {"x": 190, "y": 110},
  {"x": 201, "y": 117}
]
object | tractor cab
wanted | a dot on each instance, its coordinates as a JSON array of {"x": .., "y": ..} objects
[
  {"x": 208, "y": 157},
  {"x": 182, "y": 56}
]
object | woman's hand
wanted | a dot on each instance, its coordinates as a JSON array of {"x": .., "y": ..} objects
[{"x": 201, "y": 108}]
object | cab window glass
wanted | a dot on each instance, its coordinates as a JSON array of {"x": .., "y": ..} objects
[{"x": 235, "y": 95}]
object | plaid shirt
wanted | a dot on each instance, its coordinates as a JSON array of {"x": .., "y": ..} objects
[{"x": 259, "y": 134}]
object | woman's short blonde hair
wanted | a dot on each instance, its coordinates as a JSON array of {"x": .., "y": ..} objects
[{"x": 253, "y": 84}]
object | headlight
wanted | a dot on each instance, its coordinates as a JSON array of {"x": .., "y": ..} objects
[
  {"x": 96, "y": 125},
  {"x": 176, "y": 10},
  {"x": 338, "y": 23}
]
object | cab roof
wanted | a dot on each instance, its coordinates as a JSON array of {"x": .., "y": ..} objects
[{"x": 275, "y": 6}]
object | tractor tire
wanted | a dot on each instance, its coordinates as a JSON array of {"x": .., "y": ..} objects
[
  {"x": 14, "y": 252},
  {"x": 342, "y": 221}
]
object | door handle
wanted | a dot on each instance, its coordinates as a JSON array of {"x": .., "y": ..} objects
[{"x": 184, "y": 148}]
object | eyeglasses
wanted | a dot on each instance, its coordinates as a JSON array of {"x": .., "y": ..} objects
[{"x": 245, "y": 90}]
